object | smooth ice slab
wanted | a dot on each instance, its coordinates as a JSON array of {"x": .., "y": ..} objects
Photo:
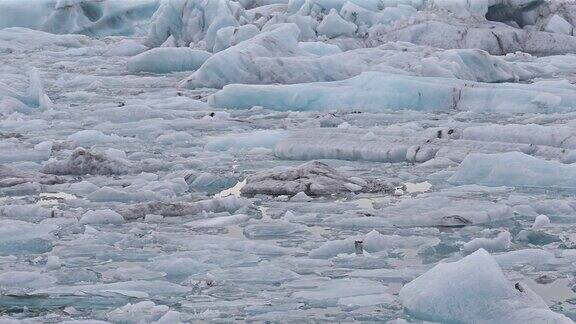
[
  {"x": 375, "y": 91},
  {"x": 514, "y": 169},
  {"x": 166, "y": 59}
]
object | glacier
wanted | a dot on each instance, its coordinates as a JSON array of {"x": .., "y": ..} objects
[{"x": 287, "y": 161}]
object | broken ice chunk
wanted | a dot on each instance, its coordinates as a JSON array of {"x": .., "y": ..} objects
[
  {"x": 313, "y": 179},
  {"x": 18, "y": 237},
  {"x": 83, "y": 161},
  {"x": 20, "y": 282},
  {"x": 142, "y": 312},
  {"x": 501, "y": 242},
  {"x": 10, "y": 176},
  {"x": 35, "y": 97},
  {"x": 371, "y": 243},
  {"x": 540, "y": 221},
  {"x": 105, "y": 216},
  {"x": 340, "y": 291},
  {"x": 557, "y": 24},
  {"x": 168, "y": 209},
  {"x": 167, "y": 59},
  {"x": 333, "y": 26}
]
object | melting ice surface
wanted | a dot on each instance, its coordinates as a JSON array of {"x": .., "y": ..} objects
[{"x": 184, "y": 161}]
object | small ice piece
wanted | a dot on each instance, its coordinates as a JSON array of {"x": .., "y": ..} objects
[
  {"x": 18, "y": 282},
  {"x": 10, "y": 176},
  {"x": 219, "y": 221},
  {"x": 559, "y": 25},
  {"x": 319, "y": 48},
  {"x": 104, "y": 216},
  {"x": 89, "y": 137},
  {"x": 501, "y": 242},
  {"x": 178, "y": 267},
  {"x": 547, "y": 100},
  {"x": 474, "y": 290},
  {"x": 464, "y": 9},
  {"x": 417, "y": 187},
  {"x": 370, "y": 136},
  {"x": 44, "y": 146},
  {"x": 333, "y": 26},
  {"x": 333, "y": 292},
  {"x": 170, "y": 209},
  {"x": 540, "y": 221},
  {"x": 359, "y": 247},
  {"x": 53, "y": 262},
  {"x": 168, "y": 59},
  {"x": 125, "y": 47},
  {"x": 311, "y": 179},
  {"x": 151, "y": 218},
  {"x": 261, "y": 274},
  {"x": 301, "y": 197},
  {"x": 372, "y": 242},
  {"x": 142, "y": 312},
  {"x": 171, "y": 317},
  {"x": 83, "y": 161}
]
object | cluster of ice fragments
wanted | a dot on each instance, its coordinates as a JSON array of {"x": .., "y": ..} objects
[{"x": 290, "y": 161}]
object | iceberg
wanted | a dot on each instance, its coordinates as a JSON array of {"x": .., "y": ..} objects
[
  {"x": 240, "y": 62},
  {"x": 474, "y": 289},
  {"x": 35, "y": 97}
]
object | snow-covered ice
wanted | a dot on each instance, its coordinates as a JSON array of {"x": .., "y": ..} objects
[{"x": 287, "y": 161}]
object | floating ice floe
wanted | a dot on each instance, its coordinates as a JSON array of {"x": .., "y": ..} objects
[
  {"x": 514, "y": 169},
  {"x": 372, "y": 242},
  {"x": 167, "y": 59}
]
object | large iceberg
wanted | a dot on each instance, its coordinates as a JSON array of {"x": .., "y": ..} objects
[
  {"x": 474, "y": 289},
  {"x": 377, "y": 91}
]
